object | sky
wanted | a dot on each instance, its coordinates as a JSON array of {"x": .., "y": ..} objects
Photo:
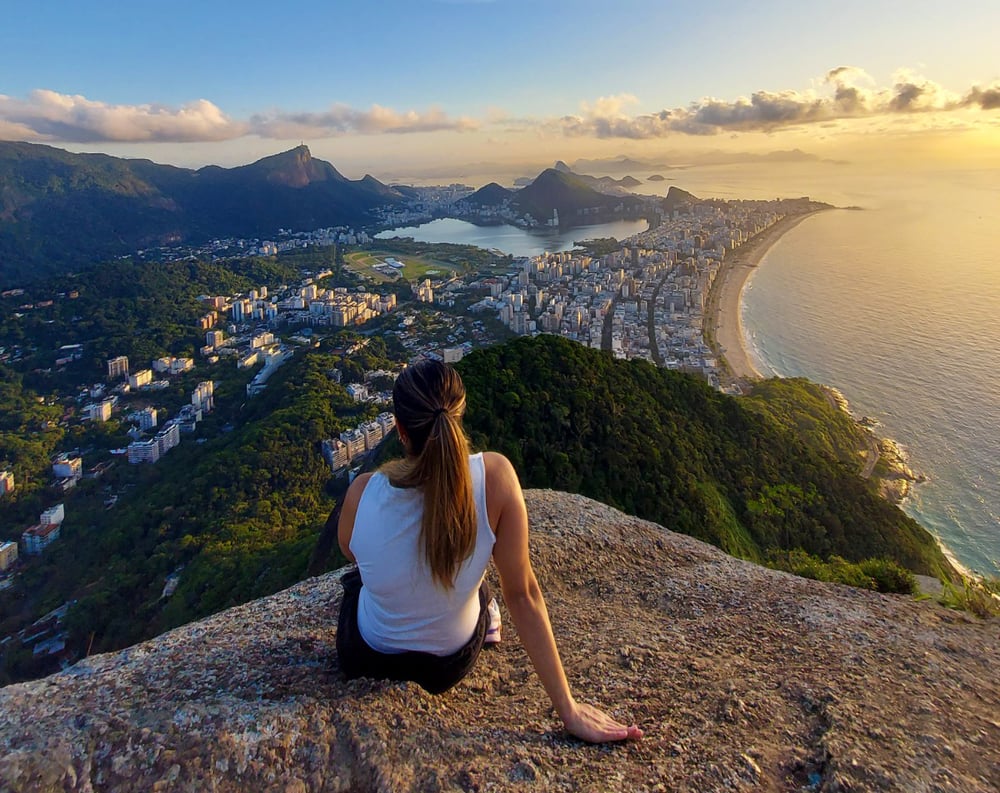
[{"x": 422, "y": 88}]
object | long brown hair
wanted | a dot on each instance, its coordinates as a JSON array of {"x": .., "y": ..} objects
[{"x": 429, "y": 400}]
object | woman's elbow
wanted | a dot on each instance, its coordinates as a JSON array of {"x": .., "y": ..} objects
[{"x": 524, "y": 595}]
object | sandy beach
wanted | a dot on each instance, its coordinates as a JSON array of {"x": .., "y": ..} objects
[{"x": 723, "y": 321}]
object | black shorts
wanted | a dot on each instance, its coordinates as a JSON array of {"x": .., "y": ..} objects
[{"x": 435, "y": 673}]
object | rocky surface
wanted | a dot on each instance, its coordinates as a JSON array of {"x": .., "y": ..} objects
[{"x": 742, "y": 678}]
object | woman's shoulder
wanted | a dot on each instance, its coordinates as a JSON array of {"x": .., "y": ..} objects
[
  {"x": 496, "y": 465},
  {"x": 357, "y": 487},
  {"x": 501, "y": 478}
]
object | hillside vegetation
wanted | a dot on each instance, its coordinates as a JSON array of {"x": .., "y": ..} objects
[
  {"x": 747, "y": 475},
  {"x": 237, "y": 516}
]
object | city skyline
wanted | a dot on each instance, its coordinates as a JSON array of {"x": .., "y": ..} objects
[{"x": 382, "y": 87}]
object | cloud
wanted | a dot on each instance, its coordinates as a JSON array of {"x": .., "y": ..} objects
[
  {"x": 50, "y": 116},
  {"x": 846, "y": 92},
  {"x": 47, "y": 115},
  {"x": 344, "y": 120}
]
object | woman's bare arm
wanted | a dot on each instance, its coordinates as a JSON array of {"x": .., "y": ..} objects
[
  {"x": 523, "y": 596},
  {"x": 349, "y": 510}
]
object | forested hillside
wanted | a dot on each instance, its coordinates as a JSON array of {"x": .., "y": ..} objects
[
  {"x": 238, "y": 516},
  {"x": 747, "y": 475},
  {"x": 61, "y": 211}
]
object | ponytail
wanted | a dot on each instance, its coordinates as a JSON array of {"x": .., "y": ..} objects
[{"x": 429, "y": 400}]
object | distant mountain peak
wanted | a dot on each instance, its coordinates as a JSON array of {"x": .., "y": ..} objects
[
  {"x": 294, "y": 168},
  {"x": 561, "y": 166},
  {"x": 676, "y": 197}
]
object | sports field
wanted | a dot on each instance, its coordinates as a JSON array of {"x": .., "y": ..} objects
[{"x": 416, "y": 267}]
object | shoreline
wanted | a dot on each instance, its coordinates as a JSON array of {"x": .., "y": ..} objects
[
  {"x": 724, "y": 326},
  {"x": 723, "y": 320}
]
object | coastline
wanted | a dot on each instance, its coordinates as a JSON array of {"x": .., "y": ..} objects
[
  {"x": 723, "y": 323},
  {"x": 724, "y": 330}
]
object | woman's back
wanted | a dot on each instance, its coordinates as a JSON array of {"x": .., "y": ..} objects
[{"x": 401, "y": 607}]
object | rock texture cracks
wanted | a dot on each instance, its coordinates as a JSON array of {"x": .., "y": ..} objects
[{"x": 743, "y": 679}]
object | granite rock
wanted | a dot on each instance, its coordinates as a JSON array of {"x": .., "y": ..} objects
[{"x": 743, "y": 679}]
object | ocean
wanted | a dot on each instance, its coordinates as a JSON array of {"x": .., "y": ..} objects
[{"x": 898, "y": 307}]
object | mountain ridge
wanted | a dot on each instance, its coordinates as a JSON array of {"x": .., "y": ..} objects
[{"x": 60, "y": 211}]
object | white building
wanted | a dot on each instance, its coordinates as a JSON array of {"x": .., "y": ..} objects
[
  {"x": 118, "y": 367},
  {"x": 214, "y": 338},
  {"x": 335, "y": 452},
  {"x": 358, "y": 392},
  {"x": 261, "y": 340},
  {"x": 140, "y": 378},
  {"x": 387, "y": 421},
  {"x": 355, "y": 440},
  {"x": 8, "y": 554},
  {"x": 203, "y": 397},
  {"x": 66, "y": 466},
  {"x": 161, "y": 365},
  {"x": 54, "y": 515},
  {"x": 38, "y": 538},
  {"x": 373, "y": 433},
  {"x": 181, "y": 365},
  {"x": 143, "y": 452},
  {"x": 146, "y": 418},
  {"x": 452, "y": 354},
  {"x": 168, "y": 438},
  {"x": 100, "y": 411}
]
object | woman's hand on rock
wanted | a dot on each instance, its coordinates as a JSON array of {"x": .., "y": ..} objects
[{"x": 595, "y": 726}]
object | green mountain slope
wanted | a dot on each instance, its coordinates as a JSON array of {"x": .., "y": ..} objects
[
  {"x": 664, "y": 446},
  {"x": 61, "y": 211}
]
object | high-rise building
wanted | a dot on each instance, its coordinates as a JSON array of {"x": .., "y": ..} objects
[
  {"x": 141, "y": 378},
  {"x": 168, "y": 438},
  {"x": 118, "y": 367},
  {"x": 143, "y": 452},
  {"x": 146, "y": 418},
  {"x": 203, "y": 396},
  {"x": 38, "y": 538},
  {"x": 336, "y": 454},
  {"x": 355, "y": 440},
  {"x": 8, "y": 554},
  {"x": 100, "y": 411}
]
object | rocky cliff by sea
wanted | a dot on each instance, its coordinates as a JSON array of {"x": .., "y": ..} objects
[{"x": 743, "y": 679}]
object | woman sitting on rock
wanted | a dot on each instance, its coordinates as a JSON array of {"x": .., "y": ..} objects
[{"x": 422, "y": 531}]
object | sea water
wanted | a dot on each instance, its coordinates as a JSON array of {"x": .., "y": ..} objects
[{"x": 898, "y": 307}]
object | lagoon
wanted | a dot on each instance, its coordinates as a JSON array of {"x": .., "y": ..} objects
[{"x": 513, "y": 239}]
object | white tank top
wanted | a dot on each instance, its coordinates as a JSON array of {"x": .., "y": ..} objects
[{"x": 400, "y": 607}]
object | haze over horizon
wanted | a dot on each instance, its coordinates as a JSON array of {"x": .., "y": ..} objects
[{"x": 411, "y": 88}]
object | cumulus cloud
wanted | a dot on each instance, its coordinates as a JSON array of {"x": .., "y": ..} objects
[
  {"x": 846, "y": 92},
  {"x": 47, "y": 115},
  {"x": 344, "y": 120},
  {"x": 50, "y": 116}
]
